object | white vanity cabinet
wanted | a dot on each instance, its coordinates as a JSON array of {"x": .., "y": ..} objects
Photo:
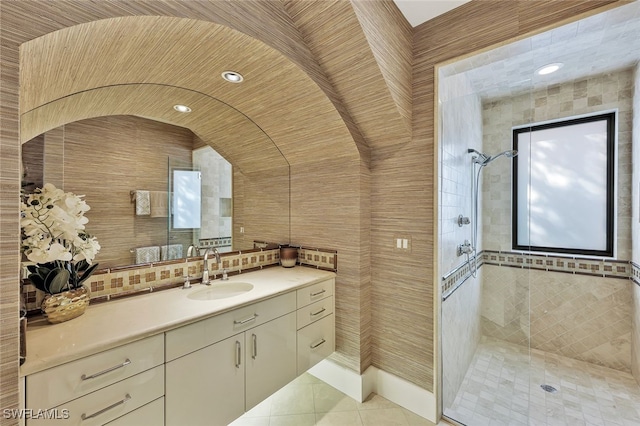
[
  {"x": 208, "y": 372},
  {"x": 315, "y": 323},
  {"x": 270, "y": 358},
  {"x": 222, "y": 366},
  {"x": 99, "y": 388}
]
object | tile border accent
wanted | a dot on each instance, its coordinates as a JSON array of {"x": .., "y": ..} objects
[
  {"x": 108, "y": 284},
  {"x": 319, "y": 258},
  {"x": 455, "y": 278},
  {"x": 635, "y": 273},
  {"x": 604, "y": 268}
]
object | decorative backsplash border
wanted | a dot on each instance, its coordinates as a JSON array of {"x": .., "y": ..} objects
[
  {"x": 318, "y": 258},
  {"x": 113, "y": 283},
  {"x": 604, "y": 268},
  {"x": 635, "y": 272}
]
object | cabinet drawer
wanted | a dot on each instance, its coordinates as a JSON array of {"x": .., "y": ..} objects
[
  {"x": 111, "y": 402},
  {"x": 150, "y": 414},
  {"x": 315, "y": 342},
  {"x": 315, "y": 292},
  {"x": 314, "y": 312},
  {"x": 203, "y": 333},
  {"x": 57, "y": 385}
]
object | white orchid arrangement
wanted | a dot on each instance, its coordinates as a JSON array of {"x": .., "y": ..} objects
[{"x": 54, "y": 237}]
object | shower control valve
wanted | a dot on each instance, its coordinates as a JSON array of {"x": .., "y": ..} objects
[
  {"x": 464, "y": 248},
  {"x": 463, "y": 220}
]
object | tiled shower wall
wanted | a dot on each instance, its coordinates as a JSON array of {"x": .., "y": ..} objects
[
  {"x": 578, "y": 316},
  {"x": 599, "y": 93},
  {"x": 216, "y": 193},
  {"x": 461, "y": 128},
  {"x": 570, "y": 314}
]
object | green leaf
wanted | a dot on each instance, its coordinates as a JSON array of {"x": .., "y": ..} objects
[
  {"x": 43, "y": 271},
  {"x": 81, "y": 266},
  {"x": 87, "y": 273},
  {"x": 37, "y": 281},
  {"x": 57, "y": 280}
]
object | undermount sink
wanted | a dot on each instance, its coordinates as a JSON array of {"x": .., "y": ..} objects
[{"x": 219, "y": 290}]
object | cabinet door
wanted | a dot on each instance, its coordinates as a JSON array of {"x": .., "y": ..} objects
[
  {"x": 315, "y": 342},
  {"x": 270, "y": 358},
  {"x": 206, "y": 387}
]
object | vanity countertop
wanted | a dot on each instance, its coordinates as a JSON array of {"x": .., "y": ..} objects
[{"x": 118, "y": 322}]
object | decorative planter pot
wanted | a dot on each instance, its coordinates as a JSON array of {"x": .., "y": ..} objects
[
  {"x": 288, "y": 256},
  {"x": 64, "y": 306}
]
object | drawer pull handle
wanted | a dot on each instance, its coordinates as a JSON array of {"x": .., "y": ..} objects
[
  {"x": 318, "y": 293},
  {"x": 246, "y": 320},
  {"x": 313, "y": 314},
  {"x": 255, "y": 346},
  {"x": 315, "y": 345},
  {"x": 127, "y": 397},
  {"x": 108, "y": 370},
  {"x": 238, "y": 354}
]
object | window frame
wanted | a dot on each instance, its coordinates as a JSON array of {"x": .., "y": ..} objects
[{"x": 610, "y": 118}]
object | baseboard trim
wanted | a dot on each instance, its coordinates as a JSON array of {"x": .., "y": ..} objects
[{"x": 387, "y": 385}]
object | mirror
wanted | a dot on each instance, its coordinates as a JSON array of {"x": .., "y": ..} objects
[{"x": 108, "y": 158}]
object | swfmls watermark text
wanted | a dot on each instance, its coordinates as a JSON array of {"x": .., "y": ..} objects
[{"x": 31, "y": 414}]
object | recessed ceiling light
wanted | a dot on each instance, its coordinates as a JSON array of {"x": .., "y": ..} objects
[
  {"x": 232, "y": 76},
  {"x": 182, "y": 108},
  {"x": 549, "y": 68}
]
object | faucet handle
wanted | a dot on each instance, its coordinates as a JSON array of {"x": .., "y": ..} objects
[{"x": 187, "y": 283}]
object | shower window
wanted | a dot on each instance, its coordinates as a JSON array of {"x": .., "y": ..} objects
[{"x": 563, "y": 186}]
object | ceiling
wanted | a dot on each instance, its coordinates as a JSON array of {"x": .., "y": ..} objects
[
  {"x": 599, "y": 44},
  {"x": 419, "y": 11}
]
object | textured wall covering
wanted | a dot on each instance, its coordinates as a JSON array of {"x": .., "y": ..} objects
[{"x": 107, "y": 143}]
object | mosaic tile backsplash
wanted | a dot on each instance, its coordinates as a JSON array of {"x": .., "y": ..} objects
[{"x": 139, "y": 279}]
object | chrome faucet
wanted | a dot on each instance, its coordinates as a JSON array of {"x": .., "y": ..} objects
[
  {"x": 190, "y": 253},
  {"x": 205, "y": 274}
]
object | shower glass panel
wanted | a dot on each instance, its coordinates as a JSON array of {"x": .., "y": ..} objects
[
  {"x": 485, "y": 317},
  {"x": 529, "y": 335}
]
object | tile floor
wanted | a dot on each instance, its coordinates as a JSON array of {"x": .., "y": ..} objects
[
  {"x": 502, "y": 387},
  {"x": 309, "y": 401}
]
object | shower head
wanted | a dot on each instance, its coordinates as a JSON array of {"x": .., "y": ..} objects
[
  {"x": 484, "y": 159},
  {"x": 481, "y": 158}
]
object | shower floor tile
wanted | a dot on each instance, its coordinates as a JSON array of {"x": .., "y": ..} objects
[{"x": 502, "y": 387}]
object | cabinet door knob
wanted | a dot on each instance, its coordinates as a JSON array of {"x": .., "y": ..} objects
[{"x": 318, "y": 293}]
